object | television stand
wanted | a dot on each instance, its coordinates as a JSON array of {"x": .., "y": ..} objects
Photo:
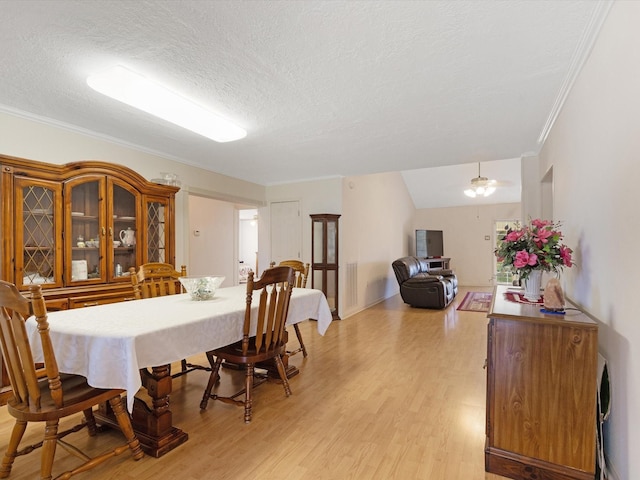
[{"x": 437, "y": 262}]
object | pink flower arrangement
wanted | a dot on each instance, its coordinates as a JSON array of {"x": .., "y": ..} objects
[{"x": 536, "y": 246}]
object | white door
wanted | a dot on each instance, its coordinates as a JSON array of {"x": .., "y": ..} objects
[{"x": 286, "y": 231}]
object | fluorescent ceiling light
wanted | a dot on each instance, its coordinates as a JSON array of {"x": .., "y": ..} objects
[{"x": 133, "y": 89}]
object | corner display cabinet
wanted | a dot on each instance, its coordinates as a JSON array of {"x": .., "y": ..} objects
[
  {"x": 541, "y": 391},
  {"x": 76, "y": 229},
  {"x": 324, "y": 259}
]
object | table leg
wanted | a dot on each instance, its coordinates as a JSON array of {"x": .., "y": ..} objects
[{"x": 153, "y": 426}]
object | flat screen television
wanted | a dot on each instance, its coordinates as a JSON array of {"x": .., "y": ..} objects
[{"x": 429, "y": 243}]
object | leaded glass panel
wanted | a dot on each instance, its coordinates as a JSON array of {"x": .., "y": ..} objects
[
  {"x": 156, "y": 235},
  {"x": 38, "y": 235}
]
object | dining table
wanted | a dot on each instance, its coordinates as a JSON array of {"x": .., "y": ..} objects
[{"x": 130, "y": 345}]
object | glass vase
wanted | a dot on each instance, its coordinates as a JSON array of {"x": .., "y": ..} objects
[{"x": 532, "y": 285}]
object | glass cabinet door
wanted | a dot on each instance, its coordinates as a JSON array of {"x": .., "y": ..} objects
[
  {"x": 37, "y": 233},
  {"x": 157, "y": 235},
  {"x": 85, "y": 230},
  {"x": 318, "y": 255},
  {"x": 123, "y": 232},
  {"x": 324, "y": 263}
]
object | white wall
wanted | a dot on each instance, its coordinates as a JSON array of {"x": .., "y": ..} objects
[
  {"x": 594, "y": 148},
  {"x": 212, "y": 251},
  {"x": 375, "y": 226},
  {"x": 464, "y": 230},
  {"x": 531, "y": 188}
]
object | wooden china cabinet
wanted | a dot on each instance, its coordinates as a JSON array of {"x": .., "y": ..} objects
[{"x": 61, "y": 225}]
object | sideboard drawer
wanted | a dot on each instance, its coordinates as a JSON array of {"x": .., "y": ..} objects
[
  {"x": 99, "y": 299},
  {"x": 57, "y": 304}
]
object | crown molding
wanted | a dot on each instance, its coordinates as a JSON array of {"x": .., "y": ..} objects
[
  {"x": 87, "y": 133},
  {"x": 579, "y": 59}
]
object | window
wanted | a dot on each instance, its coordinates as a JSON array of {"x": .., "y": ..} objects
[{"x": 503, "y": 274}]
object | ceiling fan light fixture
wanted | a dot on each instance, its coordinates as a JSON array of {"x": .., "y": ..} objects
[
  {"x": 139, "y": 92},
  {"x": 480, "y": 186}
]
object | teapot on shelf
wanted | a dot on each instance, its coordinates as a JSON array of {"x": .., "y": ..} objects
[{"x": 128, "y": 237}]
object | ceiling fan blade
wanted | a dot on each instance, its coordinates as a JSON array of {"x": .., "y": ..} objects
[{"x": 501, "y": 183}]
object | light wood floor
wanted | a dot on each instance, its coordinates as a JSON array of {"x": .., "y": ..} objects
[{"x": 393, "y": 392}]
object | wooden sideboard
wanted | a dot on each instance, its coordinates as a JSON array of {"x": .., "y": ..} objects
[
  {"x": 60, "y": 225},
  {"x": 541, "y": 392}
]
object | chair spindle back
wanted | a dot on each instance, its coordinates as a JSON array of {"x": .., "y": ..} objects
[
  {"x": 300, "y": 269},
  {"x": 275, "y": 288},
  {"x": 156, "y": 280},
  {"x": 16, "y": 349}
]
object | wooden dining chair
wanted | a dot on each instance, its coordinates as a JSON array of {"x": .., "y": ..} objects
[
  {"x": 263, "y": 336},
  {"x": 157, "y": 280},
  {"x": 42, "y": 394},
  {"x": 301, "y": 271}
]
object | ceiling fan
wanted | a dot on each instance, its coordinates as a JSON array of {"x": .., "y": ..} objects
[{"x": 480, "y": 186}]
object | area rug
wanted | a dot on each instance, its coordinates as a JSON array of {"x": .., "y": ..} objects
[{"x": 476, "y": 302}]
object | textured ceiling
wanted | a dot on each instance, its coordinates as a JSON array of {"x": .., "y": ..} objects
[{"x": 324, "y": 88}]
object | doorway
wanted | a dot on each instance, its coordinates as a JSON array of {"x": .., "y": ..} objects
[
  {"x": 214, "y": 228},
  {"x": 546, "y": 190},
  {"x": 247, "y": 243}
]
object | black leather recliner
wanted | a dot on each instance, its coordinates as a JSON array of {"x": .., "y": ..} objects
[
  {"x": 447, "y": 274},
  {"x": 420, "y": 287}
]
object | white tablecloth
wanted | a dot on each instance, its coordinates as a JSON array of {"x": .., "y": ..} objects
[{"x": 109, "y": 344}]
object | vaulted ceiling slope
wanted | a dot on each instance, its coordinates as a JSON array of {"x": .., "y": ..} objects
[{"x": 324, "y": 88}]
